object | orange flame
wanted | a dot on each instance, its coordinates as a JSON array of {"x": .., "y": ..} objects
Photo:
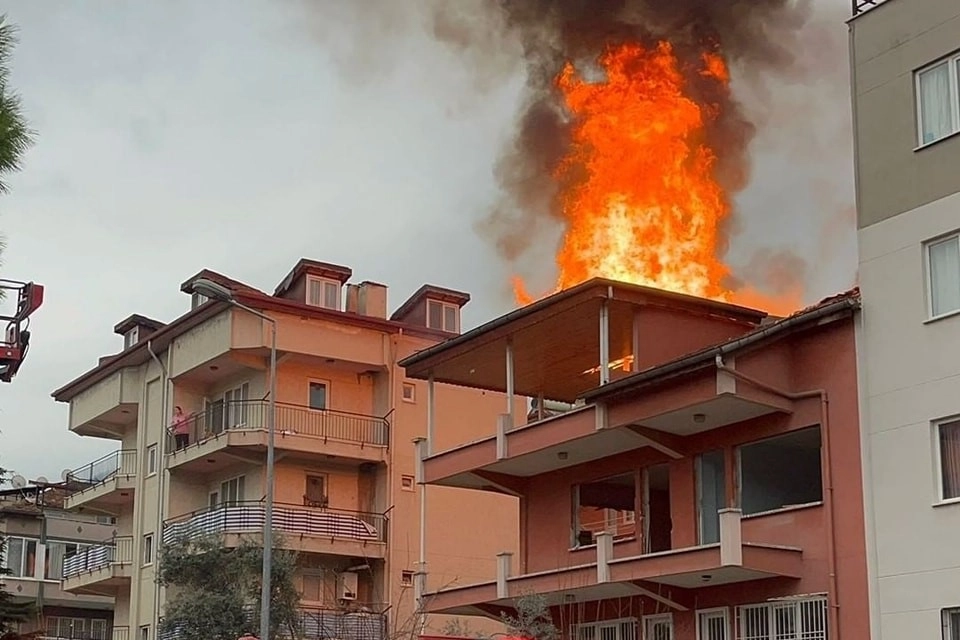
[{"x": 638, "y": 192}]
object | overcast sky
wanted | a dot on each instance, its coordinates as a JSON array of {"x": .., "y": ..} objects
[{"x": 229, "y": 135}]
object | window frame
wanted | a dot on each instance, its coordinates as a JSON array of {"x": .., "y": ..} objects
[
  {"x": 444, "y": 306},
  {"x": 936, "y": 425},
  {"x": 323, "y": 282},
  {"x": 928, "y": 273},
  {"x": 653, "y": 619},
  {"x": 241, "y": 489},
  {"x": 617, "y": 623},
  {"x": 326, "y": 394},
  {"x": 151, "y": 461},
  {"x": 575, "y": 507},
  {"x": 24, "y": 541},
  {"x": 197, "y": 299},
  {"x": 146, "y": 559},
  {"x": 144, "y": 633},
  {"x": 712, "y": 611},
  {"x": 953, "y": 64},
  {"x": 947, "y": 615},
  {"x": 131, "y": 337},
  {"x": 404, "y": 479},
  {"x": 412, "y": 399},
  {"x": 738, "y": 450},
  {"x": 796, "y": 604}
]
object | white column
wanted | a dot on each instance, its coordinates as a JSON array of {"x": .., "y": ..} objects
[
  {"x": 731, "y": 538},
  {"x": 604, "y": 556},
  {"x": 504, "y": 567},
  {"x": 604, "y": 342},
  {"x": 430, "y": 415}
]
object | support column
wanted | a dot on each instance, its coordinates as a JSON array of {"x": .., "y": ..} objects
[
  {"x": 604, "y": 342},
  {"x": 731, "y": 538},
  {"x": 420, "y": 582},
  {"x": 635, "y": 346},
  {"x": 509, "y": 359},
  {"x": 430, "y": 415},
  {"x": 604, "y": 556},
  {"x": 504, "y": 567}
]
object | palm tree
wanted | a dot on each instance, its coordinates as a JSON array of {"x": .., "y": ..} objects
[{"x": 15, "y": 134}]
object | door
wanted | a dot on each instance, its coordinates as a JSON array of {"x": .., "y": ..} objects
[
  {"x": 316, "y": 492},
  {"x": 658, "y": 627},
  {"x": 657, "y": 522},
  {"x": 711, "y": 495}
]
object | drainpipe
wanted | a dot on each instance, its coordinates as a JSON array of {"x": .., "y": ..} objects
[
  {"x": 161, "y": 477},
  {"x": 832, "y": 594}
]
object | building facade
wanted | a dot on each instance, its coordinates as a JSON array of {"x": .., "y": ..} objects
[
  {"x": 696, "y": 477},
  {"x": 39, "y": 536},
  {"x": 905, "y": 72},
  {"x": 188, "y": 404}
]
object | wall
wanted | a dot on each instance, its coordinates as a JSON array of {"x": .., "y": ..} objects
[{"x": 907, "y": 383}]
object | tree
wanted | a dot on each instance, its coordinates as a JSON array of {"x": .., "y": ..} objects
[
  {"x": 15, "y": 134},
  {"x": 11, "y": 612},
  {"x": 533, "y": 619},
  {"x": 215, "y": 592}
]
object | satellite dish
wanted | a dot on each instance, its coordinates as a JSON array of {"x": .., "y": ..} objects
[
  {"x": 18, "y": 481},
  {"x": 42, "y": 480},
  {"x": 65, "y": 474}
]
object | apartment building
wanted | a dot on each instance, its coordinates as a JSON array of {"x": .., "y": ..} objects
[
  {"x": 696, "y": 477},
  {"x": 905, "y": 71},
  {"x": 187, "y": 403},
  {"x": 39, "y": 536}
]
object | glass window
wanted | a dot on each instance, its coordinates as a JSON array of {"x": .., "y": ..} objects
[
  {"x": 948, "y": 436},
  {"x": 323, "y": 293},
  {"x": 318, "y": 395},
  {"x": 602, "y": 506},
  {"x": 711, "y": 494},
  {"x": 944, "y": 274},
  {"x": 938, "y": 99},
  {"x": 151, "y": 459},
  {"x": 951, "y": 623},
  {"x": 148, "y": 548},
  {"x": 782, "y": 471}
]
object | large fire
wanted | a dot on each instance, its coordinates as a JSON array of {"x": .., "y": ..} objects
[{"x": 638, "y": 193}]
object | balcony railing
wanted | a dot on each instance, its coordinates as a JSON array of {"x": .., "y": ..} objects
[
  {"x": 118, "y": 463},
  {"x": 115, "y": 551},
  {"x": 859, "y": 6},
  {"x": 326, "y": 424},
  {"x": 121, "y": 633},
  {"x": 248, "y": 517},
  {"x": 365, "y": 622}
]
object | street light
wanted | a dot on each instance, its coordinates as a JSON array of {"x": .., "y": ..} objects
[{"x": 215, "y": 291}]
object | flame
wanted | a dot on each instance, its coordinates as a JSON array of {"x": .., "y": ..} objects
[{"x": 637, "y": 187}]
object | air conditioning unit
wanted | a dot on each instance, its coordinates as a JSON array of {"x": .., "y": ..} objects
[{"x": 347, "y": 586}]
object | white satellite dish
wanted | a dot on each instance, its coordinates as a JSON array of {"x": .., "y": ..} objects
[
  {"x": 65, "y": 474},
  {"x": 42, "y": 480},
  {"x": 18, "y": 481}
]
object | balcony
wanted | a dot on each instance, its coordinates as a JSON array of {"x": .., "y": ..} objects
[
  {"x": 305, "y": 529},
  {"x": 109, "y": 407},
  {"x": 860, "y": 6},
  {"x": 358, "y": 622},
  {"x": 669, "y": 577},
  {"x": 240, "y": 429},
  {"x": 99, "y": 570},
  {"x": 120, "y": 633},
  {"x": 106, "y": 485}
]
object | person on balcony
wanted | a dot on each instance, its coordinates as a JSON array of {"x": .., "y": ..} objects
[{"x": 180, "y": 426}]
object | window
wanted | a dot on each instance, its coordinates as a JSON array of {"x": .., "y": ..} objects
[
  {"x": 948, "y": 446},
  {"x": 951, "y": 623},
  {"x": 711, "y": 494},
  {"x": 151, "y": 459},
  {"x": 623, "y": 629},
  {"x": 235, "y": 405},
  {"x": 599, "y": 506},
  {"x": 409, "y": 392},
  {"x": 316, "y": 491},
  {"x": 938, "y": 100},
  {"x": 782, "y": 471},
  {"x": 318, "y": 395},
  {"x": 197, "y": 299},
  {"x": 130, "y": 337},
  {"x": 21, "y": 557},
  {"x": 144, "y": 632},
  {"x": 943, "y": 275},
  {"x": 87, "y": 628},
  {"x": 148, "y": 548},
  {"x": 56, "y": 553},
  {"x": 312, "y": 581},
  {"x": 712, "y": 624},
  {"x": 407, "y": 483},
  {"x": 406, "y": 578},
  {"x": 231, "y": 491},
  {"x": 791, "y": 620},
  {"x": 659, "y": 627},
  {"x": 323, "y": 293},
  {"x": 443, "y": 316}
]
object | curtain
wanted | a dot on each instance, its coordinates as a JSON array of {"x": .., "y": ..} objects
[
  {"x": 945, "y": 276},
  {"x": 936, "y": 118},
  {"x": 950, "y": 459}
]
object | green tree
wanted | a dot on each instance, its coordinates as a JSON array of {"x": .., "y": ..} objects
[
  {"x": 533, "y": 619},
  {"x": 15, "y": 134},
  {"x": 11, "y": 612},
  {"x": 214, "y": 591}
]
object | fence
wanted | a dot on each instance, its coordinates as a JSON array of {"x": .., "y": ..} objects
[
  {"x": 122, "y": 462},
  {"x": 115, "y": 551},
  {"x": 248, "y": 517},
  {"x": 321, "y": 624},
  {"x": 292, "y": 419}
]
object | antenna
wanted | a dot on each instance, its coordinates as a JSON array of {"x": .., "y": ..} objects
[
  {"x": 65, "y": 475},
  {"x": 18, "y": 481},
  {"x": 42, "y": 480}
]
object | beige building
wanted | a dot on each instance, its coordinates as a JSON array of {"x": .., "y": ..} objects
[
  {"x": 905, "y": 57},
  {"x": 345, "y": 487},
  {"x": 40, "y": 535}
]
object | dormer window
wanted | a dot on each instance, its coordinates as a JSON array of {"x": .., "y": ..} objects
[
  {"x": 131, "y": 337},
  {"x": 322, "y": 292},
  {"x": 443, "y": 316},
  {"x": 197, "y": 299}
]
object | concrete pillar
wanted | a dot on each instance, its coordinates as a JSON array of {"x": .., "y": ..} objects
[
  {"x": 504, "y": 567},
  {"x": 604, "y": 556},
  {"x": 604, "y": 342},
  {"x": 431, "y": 426},
  {"x": 731, "y": 538}
]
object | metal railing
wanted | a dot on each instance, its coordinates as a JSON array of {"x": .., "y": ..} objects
[
  {"x": 121, "y": 633},
  {"x": 117, "y": 463},
  {"x": 859, "y": 6},
  {"x": 326, "y": 424},
  {"x": 117, "y": 550},
  {"x": 248, "y": 517},
  {"x": 363, "y": 622}
]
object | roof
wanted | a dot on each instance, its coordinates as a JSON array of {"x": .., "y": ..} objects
[
  {"x": 555, "y": 341},
  {"x": 432, "y": 292},
  {"x": 834, "y": 307},
  {"x": 137, "y": 320},
  {"x": 245, "y": 294},
  {"x": 305, "y": 266}
]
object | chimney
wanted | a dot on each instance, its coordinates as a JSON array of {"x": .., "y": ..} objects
[
  {"x": 352, "y": 304},
  {"x": 372, "y": 298}
]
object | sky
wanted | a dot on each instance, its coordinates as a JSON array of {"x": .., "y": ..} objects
[{"x": 242, "y": 135}]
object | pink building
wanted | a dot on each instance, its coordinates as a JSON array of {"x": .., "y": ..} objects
[{"x": 689, "y": 469}]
